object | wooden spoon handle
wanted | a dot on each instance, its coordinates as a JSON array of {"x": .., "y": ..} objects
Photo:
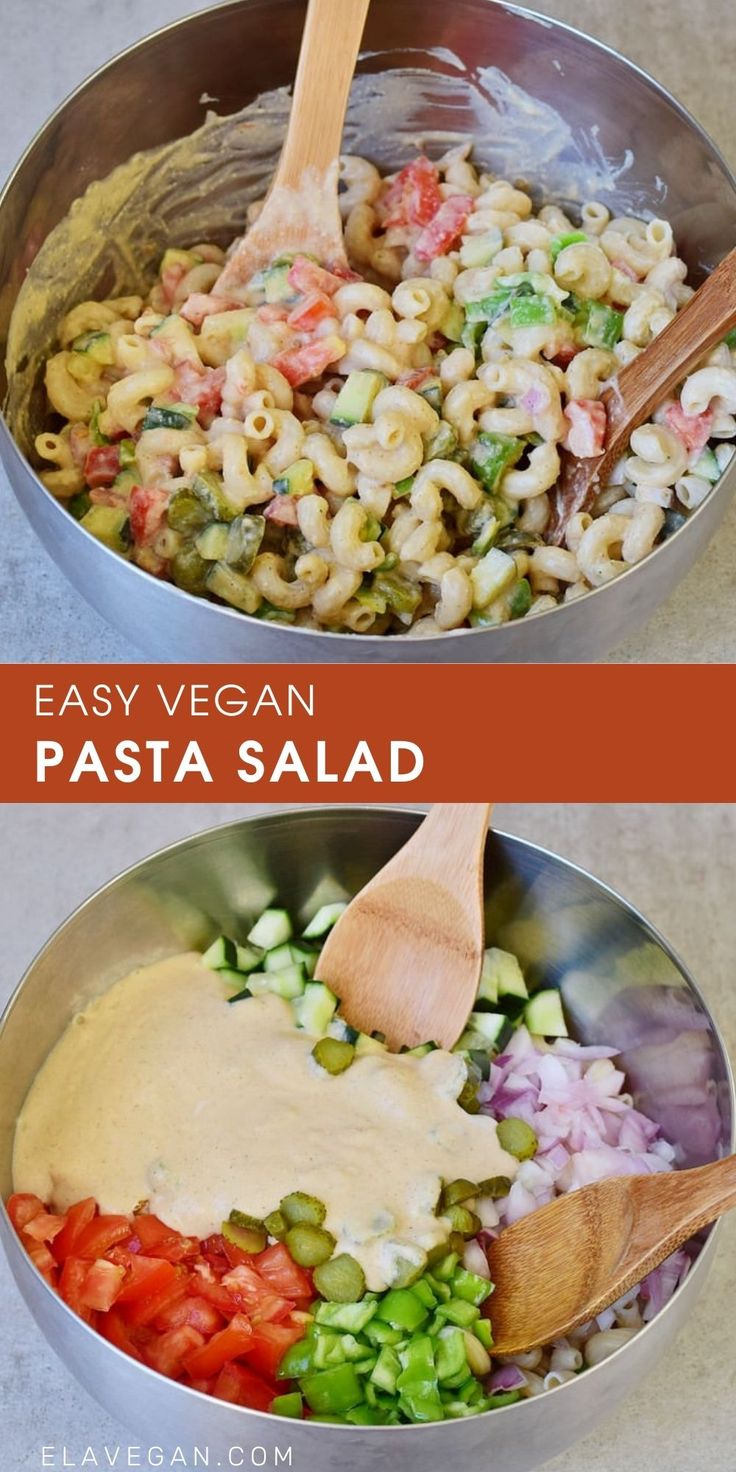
[
  {"x": 644, "y": 382},
  {"x": 451, "y": 839},
  {"x": 326, "y": 64},
  {"x": 672, "y": 1208}
]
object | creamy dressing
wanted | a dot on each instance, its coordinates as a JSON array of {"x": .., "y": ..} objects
[{"x": 161, "y": 1091}]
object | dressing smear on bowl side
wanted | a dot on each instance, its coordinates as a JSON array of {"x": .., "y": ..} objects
[{"x": 161, "y": 1091}]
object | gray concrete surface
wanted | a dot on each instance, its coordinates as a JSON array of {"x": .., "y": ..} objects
[
  {"x": 688, "y": 46},
  {"x": 675, "y": 863}
]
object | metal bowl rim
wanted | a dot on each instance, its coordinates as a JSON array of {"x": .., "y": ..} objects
[
  {"x": 376, "y": 640},
  {"x": 284, "y": 815}
]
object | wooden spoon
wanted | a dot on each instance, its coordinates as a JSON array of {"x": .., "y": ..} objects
[
  {"x": 643, "y": 383},
  {"x": 301, "y": 212},
  {"x": 566, "y": 1262},
  {"x": 405, "y": 957}
]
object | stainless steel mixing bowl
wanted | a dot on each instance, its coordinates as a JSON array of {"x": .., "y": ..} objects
[
  {"x": 621, "y": 983},
  {"x": 431, "y": 69}
]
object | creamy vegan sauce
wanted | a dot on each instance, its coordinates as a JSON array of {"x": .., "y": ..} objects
[{"x": 161, "y": 1090}]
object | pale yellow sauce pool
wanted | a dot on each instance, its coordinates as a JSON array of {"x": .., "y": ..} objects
[{"x": 161, "y": 1090}]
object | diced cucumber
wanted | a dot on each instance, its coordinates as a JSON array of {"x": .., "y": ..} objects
[
  {"x": 479, "y": 250},
  {"x": 483, "y": 1030},
  {"x": 520, "y": 598},
  {"x": 298, "y": 480},
  {"x": 276, "y": 283},
  {"x": 234, "y": 978},
  {"x": 452, "y": 324},
  {"x": 287, "y": 983},
  {"x": 109, "y": 525},
  {"x": 212, "y": 543},
  {"x": 271, "y": 929},
  {"x": 543, "y": 1014},
  {"x": 232, "y": 586},
  {"x": 325, "y": 918},
  {"x": 431, "y": 390},
  {"x": 180, "y": 339},
  {"x": 490, "y": 577},
  {"x": 364, "y": 1043},
  {"x": 224, "y": 953},
  {"x": 316, "y": 1008},
  {"x": 707, "y": 466},
  {"x": 170, "y": 416},
  {"x": 126, "y": 479},
  {"x": 422, "y": 1050},
  {"x": 97, "y": 345},
  {"x": 442, "y": 445},
  {"x": 355, "y": 400},
  {"x": 506, "y": 972},
  {"x": 486, "y": 537}
]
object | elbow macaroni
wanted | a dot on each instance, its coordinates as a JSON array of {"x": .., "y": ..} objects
[{"x": 371, "y": 507}]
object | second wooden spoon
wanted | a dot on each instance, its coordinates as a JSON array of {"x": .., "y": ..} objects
[
  {"x": 568, "y": 1261},
  {"x": 644, "y": 383}
]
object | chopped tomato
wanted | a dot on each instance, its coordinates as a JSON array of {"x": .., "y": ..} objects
[
  {"x": 587, "y": 433},
  {"x": 269, "y": 1345},
  {"x": 254, "y": 1294},
  {"x": 211, "y": 1289},
  {"x": 71, "y": 1286},
  {"x": 22, "y": 1207},
  {"x": 202, "y": 304},
  {"x": 237, "y": 1384},
  {"x": 272, "y": 312},
  {"x": 100, "y": 1234},
  {"x": 153, "y": 1234},
  {"x": 147, "y": 510},
  {"x": 693, "y": 430},
  {"x": 444, "y": 228},
  {"x": 280, "y": 1271},
  {"x": 315, "y": 308},
  {"x": 114, "y": 1328},
  {"x": 305, "y": 276},
  {"x": 101, "y": 465},
  {"x": 200, "y": 386},
  {"x": 45, "y": 1226},
  {"x": 171, "y": 279},
  {"x": 77, "y": 1218},
  {"x": 300, "y": 365},
  {"x": 145, "y": 1309},
  {"x": 101, "y": 1285},
  {"x": 193, "y": 1310},
  {"x": 413, "y": 197},
  {"x": 79, "y": 443},
  {"x": 226, "y": 1345},
  {"x": 168, "y": 1352},
  {"x": 144, "y": 1276},
  {"x": 42, "y": 1259},
  {"x": 564, "y": 356},
  {"x": 417, "y": 378}
]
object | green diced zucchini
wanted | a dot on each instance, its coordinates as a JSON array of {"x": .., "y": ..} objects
[
  {"x": 298, "y": 480},
  {"x": 230, "y": 585},
  {"x": 170, "y": 416},
  {"x": 543, "y": 1014},
  {"x": 316, "y": 1008},
  {"x": 483, "y": 1030},
  {"x": 502, "y": 976},
  {"x": 442, "y": 445},
  {"x": 365, "y": 1044},
  {"x": 492, "y": 576},
  {"x": 452, "y": 323},
  {"x": 561, "y": 242},
  {"x": 325, "y": 918},
  {"x": 431, "y": 390},
  {"x": 287, "y": 983},
  {"x": 602, "y": 326},
  {"x": 97, "y": 346},
  {"x": 109, "y": 524},
  {"x": 707, "y": 466},
  {"x": 212, "y": 543},
  {"x": 354, "y": 402},
  {"x": 479, "y": 250},
  {"x": 271, "y": 929},
  {"x": 225, "y": 952}
]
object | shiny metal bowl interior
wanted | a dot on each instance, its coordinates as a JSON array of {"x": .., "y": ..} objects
[
  {"x": 621, "y": 983},
  {"x": 541, "y": 100}
]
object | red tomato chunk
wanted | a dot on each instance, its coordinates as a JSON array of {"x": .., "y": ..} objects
[{"x": 206, "y": 1313}]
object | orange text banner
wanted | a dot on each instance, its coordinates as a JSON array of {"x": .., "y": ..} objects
[{"x": 175, "y": 733}]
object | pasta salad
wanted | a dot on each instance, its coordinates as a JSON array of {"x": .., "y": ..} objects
[{"x": 377, "y": 449}]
